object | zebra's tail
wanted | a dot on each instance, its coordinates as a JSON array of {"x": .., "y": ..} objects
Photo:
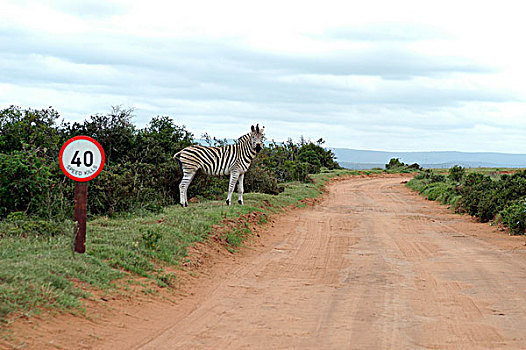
[{"x": 176, "y": 157}]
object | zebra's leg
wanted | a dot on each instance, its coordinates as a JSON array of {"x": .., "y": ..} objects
[
  {"x": 188, "y": 175},
  {"x": 233, "y": 180},
  {"x": 240, "y": 188}
]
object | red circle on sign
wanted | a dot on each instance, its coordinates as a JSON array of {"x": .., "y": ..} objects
[{"x": 71, "y": 176}]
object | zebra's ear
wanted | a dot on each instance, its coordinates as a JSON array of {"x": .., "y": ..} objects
[
  {"x": 262, "y": 129},
  {"x": 252, "y": 128},
  {"x": 257, "y": 128}
]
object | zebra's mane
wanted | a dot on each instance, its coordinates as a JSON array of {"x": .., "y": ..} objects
[{"x": 243, "y": 139}]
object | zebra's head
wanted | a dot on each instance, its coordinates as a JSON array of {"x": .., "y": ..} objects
[{"x": 256, "y": 137}]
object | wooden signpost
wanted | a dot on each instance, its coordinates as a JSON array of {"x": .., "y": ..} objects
[{"x": 81, "y": 158}]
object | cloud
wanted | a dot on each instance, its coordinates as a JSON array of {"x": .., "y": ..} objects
[
  {"x": 174, "y": 67},
  {"x": 386, "y": 32},
  {"x": 379, "y": 79},
  {"x": 80, "y": 8}
]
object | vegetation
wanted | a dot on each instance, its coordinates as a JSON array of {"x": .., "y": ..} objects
[
  {"x": 39, "y": 270},
  {"x": 133, "y": 230},
  {"x": 139, "y": 174},
  {"x": 291, "y": 161},
  {"x": 397, "y": 166},
  {"x": 488, "y": 197}
]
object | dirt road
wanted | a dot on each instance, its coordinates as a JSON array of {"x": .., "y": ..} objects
[{"x": 373, "y": 266}]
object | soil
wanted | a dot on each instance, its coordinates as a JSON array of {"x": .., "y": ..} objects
[{"x": 370, "y": 266}]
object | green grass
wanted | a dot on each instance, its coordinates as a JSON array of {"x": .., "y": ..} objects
[
  {"x": 442, "y": 191},
  {"x": 38, "y": 270}
]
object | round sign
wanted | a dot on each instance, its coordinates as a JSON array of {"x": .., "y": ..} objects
[{"x": 81, "y": 158}]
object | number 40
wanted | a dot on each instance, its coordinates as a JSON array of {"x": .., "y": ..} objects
[{"x": 88, "y": 159}]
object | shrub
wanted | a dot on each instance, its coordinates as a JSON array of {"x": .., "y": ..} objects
[
  {"x": 414, "y": 166},
  {"x": 430, "y": 176},
  {"x": 150, "y": 238},
  {"x": 289, "y": 161},
  {"x": 514, "y": 216},
  {"x": 487, "y": 206},
  {"x": 456, "y": 173},
  {"x": 25, "y": 178},
  {"x": 114, "y": 131},
  {"x": 473, "y": 189},
  {"x": 259, "y": 179},
  {"x": 478, "y": 194},
  {"x": 394, "y": 163},
  {"x": 209, "y": 187},
  {"x": 111, "y": 191},
  {"x": 29, "y": 129}
]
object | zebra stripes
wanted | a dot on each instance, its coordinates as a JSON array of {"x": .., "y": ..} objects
[{"x": 232, "y": 160}]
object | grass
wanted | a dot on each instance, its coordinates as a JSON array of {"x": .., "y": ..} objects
[
  {"x": 39, "y": 271},
  {"x": 438, "y": 191}
]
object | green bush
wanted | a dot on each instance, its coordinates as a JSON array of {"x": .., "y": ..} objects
[
  {"x": 291, "y": 161},
  {"x": 112, "y": 190},
  {"x": 456, "y": 173},
  {"x": 29, "y": 129},
  {"x": 395, "y": 165},
  {"x": 209, "y": 187},
  {"x": 473, "y": 189},
  {"x": 479, "y": 195},
  {"x": 150, "y": 238},
  {"x": 429, "y": 176},
  {"x": 487, "y": 206},
  {"x": 514, "y": 216},
  {"x": 259, "y": 179},
  {"x": 25, "y": 179}
]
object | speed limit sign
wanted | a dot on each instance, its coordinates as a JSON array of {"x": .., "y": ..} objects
[{"x": 81, "y": 158}]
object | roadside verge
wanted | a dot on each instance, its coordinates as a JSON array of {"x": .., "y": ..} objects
[{"x": 130, "y": 256}]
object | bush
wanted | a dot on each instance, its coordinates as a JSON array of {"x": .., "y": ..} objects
[
  {"x": 209, "y": 187},
  {"x": 395, "y": 165},
  {"x": 514, "y": 216},
  {"x": 25, "y": 179},
  {"x": 114, "y": 131},
  {"x": 111, "y": 191},
  {"x": 456, "y": 173},
  {"x": 487, "y": 207},
  {"x": 478, "y": 194},
  {"x": 259, "y": 179},
  {"x": 289, "y": 161},
  {"x": 474, "y": 199},
  {"x": 29, "y": 129},
  {"x": 430, "y": 176},
  {"x": 150, "y": 238}
]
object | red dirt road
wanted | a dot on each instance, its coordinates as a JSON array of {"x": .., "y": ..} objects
[{"x": 372, "y": 266}]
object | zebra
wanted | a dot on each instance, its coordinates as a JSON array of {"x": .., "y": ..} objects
[{"x": 232, "y": 160}]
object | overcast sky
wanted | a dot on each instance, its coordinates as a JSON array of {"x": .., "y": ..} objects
[{"x": 378, "y": 75}]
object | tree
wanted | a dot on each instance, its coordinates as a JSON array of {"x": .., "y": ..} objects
[
  {"x": 160, "y": 140},
  {"x": 30, "y": 128},
  {"x": 394, "y": 163},
  {"x": 114, "y": 131}
]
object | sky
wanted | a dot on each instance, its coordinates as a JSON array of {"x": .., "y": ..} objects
[{"x": 375, "y": 75}]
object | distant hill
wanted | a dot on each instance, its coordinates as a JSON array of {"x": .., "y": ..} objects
[{"x": 361, "y": 159}]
